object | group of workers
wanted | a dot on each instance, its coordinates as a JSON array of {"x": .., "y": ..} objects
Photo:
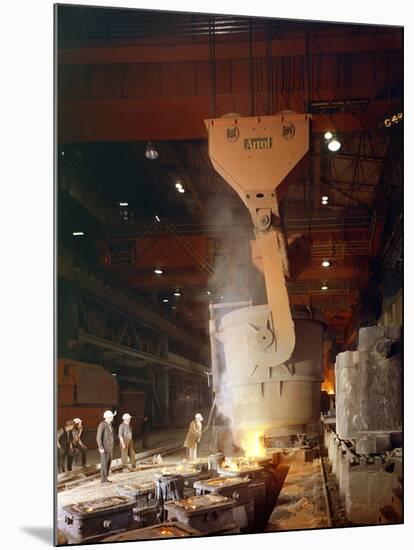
[
  {"x": 105, "y": 439},
  {"x": 70, "y": 445}
]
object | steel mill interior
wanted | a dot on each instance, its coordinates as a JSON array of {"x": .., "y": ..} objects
[{"x": 229, "y": 274}]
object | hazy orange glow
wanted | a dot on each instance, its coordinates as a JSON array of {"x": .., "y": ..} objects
[
  {"x": 328, "y": 386},
  {"x": 252, "y": 443}
]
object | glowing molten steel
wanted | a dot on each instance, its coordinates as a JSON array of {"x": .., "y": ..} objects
[
  {"x": 252, "y": 443},
  {"x": 328, "y": 386}
]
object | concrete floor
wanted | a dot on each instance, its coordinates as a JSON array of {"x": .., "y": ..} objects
[
  {"x": 156, "y": 439},
  {"x": 301, "y": 503},
  {"x": 94, "y": 489}
]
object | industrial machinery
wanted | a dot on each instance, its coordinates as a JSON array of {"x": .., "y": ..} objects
[
  {"x": 85, "y": 391},
  {"x": 266, "y": 385}
]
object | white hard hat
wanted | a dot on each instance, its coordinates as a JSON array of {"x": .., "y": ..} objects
[
  {"x": 198, "y": 417},
  {"x": 126, "y": 416},
  {"x": 77, "y": 420},
  {"x": 108, "y": 414}
]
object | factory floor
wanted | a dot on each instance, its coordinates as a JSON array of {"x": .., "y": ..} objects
[
  {"x": 90, "y": 489},
  {"x": 155, "y": 439},
  {"x": 300, "y": 504}
]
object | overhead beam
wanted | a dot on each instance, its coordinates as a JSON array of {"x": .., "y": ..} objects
[
  {"x": 137, "y": 354},
  {"x": 141, "y": 53},
  {"x": 312, "y": 272},
  {"x": 141, "y": 92},
  {"x": 176, "y": 117},
  {"x": 92, "y": 282}
]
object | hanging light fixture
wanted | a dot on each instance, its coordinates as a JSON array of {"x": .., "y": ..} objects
[
  {"x": 334, "y": 145},
  {"x": 150, "y": 152},
  {"x": 326, "y": 263},
  {"x": 332, "y": 141},
  {"x": 324, "y": 286}
]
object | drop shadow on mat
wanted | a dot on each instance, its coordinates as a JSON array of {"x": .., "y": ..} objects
[{"x": 44, "y": 534}]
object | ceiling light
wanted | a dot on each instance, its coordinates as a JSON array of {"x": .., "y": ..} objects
[
  {"x": 173, "y": 307},
  {"x": 113, "y": 374},
  {"x": 334, "y": 145},
  {"x": 150, "y": 152},
  {"x": 181, "y": 190},
  {"x": 394, "y": 119},
  {"x": 179, "y": 185},
  {"x": 324, "y": 287},
  {"x": 208, "y": 292},
  {"x": 328, "y": 135},
  {"x": 325, "y": 198},
  {"x": 165, "y": 300},
  {"x": 78, "y": 233},
  {"x": 326, "y": 263},
  {"x": 123, "y": 204},
  {"x": 158, "y": 271},
  {"x": 157, "y": 218},
  {"x": 177, "y": 293}
]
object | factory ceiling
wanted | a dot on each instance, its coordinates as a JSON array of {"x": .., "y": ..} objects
[{"x": 129, "y": 77}]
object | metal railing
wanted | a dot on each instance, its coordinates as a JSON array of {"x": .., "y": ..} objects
[{"x": 144, "y": 228}]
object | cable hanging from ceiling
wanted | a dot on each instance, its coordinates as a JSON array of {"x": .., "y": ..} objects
[
  {"x": 269, "y": 59},
  {"x": 251, "y": 68},
  {"x": 212, "y": 47}
]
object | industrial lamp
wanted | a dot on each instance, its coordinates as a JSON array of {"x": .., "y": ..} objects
[
  {"x": 150, "y": 152},
  {"x": 333, "y": 143}
]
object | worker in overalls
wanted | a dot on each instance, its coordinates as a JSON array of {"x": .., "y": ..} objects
[
  {"x": 65, "y": 446},
  {"x": 193, "y": 436},
  {"x": 126, "y": 442},
  {"x": 80, "y": 448},
  {"x": 105, "y": 441}
]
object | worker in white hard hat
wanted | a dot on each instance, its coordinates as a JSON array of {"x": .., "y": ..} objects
[
  {"x": 193, "y": 436},
  {"x": 126, "y": 441},
  {"x": 80, "y": 448},
  {"x": 65, "y": 446},
  {"x": 105, "y": 441}
]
